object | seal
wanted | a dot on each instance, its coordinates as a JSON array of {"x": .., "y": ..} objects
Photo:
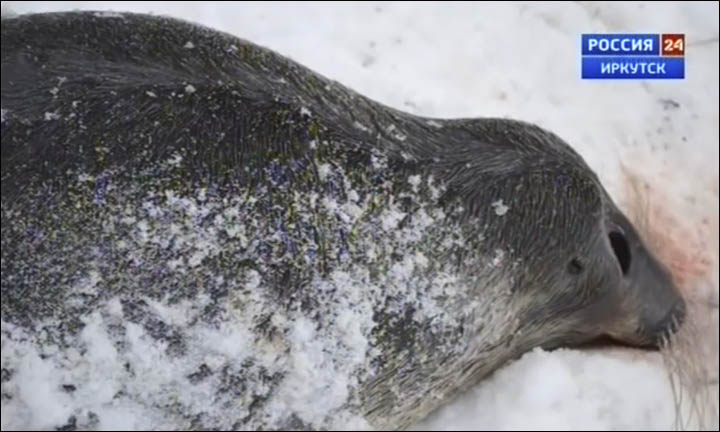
[{"x": 301, "y": 255}]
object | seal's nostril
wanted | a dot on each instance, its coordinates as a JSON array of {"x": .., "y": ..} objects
[{"x": 622, "y": 250}]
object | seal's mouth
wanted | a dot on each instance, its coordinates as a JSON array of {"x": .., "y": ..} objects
[
  {"x": 607, "y": 341},
  {"x": 652, "y": 337}
]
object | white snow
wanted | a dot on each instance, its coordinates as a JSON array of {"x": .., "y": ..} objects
[
  {"x": 391, "y": 219},
  {"x": 49, "y": 116},
  {"x": 360, "y": 126},
  {"x": 499, "y": 207},
  {"x": 439, "y": 60},
  {"x": 324, "y": 170},
  {"x": 498, "y": 258},
  {"x": 414, "y": 181},
  {"x": 564, "y": 390},
  {"x": 108, "y": 14}
]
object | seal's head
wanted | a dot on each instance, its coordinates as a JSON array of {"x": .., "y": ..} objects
[
  {"x": 612, "y": 287},
  {"x": 583, "y": 272}
]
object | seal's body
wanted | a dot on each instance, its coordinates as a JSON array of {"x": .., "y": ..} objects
[{"x": 371, "y": 263}]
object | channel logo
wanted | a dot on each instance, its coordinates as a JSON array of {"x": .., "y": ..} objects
[{"x": 633, "y": 56}]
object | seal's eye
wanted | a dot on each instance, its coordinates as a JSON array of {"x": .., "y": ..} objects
[
  {"x": 621, "y": 249},
  {"x": 575, "y": 266}
]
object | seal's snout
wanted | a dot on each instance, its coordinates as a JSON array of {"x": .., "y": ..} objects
[
  {"x": 651, "y": 297},
  {"x": 658, "y": 301}
]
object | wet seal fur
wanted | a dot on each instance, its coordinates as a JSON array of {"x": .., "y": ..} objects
[{"x": 150, "y": 164}]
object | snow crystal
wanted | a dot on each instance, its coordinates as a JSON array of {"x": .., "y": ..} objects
[
  {"x": 330, "y": 204},
  {"x": 108, "y": 14},
  {"x": 353, "y": 195},
  {"x": 82, "y": 178},
  {"x": 189, "y": 89},
  {"x": 52, "y": 116},
  {"x": 360, "y": 126},
  {"x": 175, "y": 160},
  {"x": 414, "y": 181},
  {"x": 391, "y": 218},
  {"x": 500, "y": 207},
  {"x": 253, "y": 279},
  {"x": 197, "y": 258},
  {"x": 379, "y": 163},
  {"x": 498, "y": 258},
  {"x": 324, "y": 171},
  {"x": 395, "y": 133}
]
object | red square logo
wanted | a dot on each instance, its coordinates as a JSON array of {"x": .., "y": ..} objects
[{"x": 673, "y": 44}]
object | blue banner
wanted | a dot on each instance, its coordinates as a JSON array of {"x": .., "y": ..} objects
[{"x": 633, "y": 67}]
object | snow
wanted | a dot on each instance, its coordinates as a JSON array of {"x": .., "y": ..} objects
[
  {"x": 438, "y": 60},
  {"x": 564, "y": 390},
  {"x": 499, "y": 207},
  {"x": 51, "y": 116},
  {"x": 391, "y": 218},
  {"x": 324, "y": 170}
]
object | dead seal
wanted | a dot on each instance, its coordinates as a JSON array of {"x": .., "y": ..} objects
[{"x": 355, "y": 266}]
